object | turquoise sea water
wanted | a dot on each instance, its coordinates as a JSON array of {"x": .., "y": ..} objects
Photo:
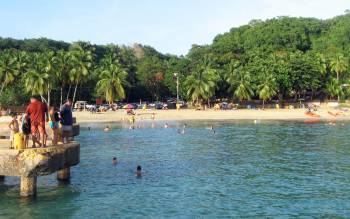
[{"x": 274, "y": 169}]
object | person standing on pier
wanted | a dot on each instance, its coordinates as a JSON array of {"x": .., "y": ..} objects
[
  {"x": 37, "y": 111},
  {"x": 66, "y": 120}
]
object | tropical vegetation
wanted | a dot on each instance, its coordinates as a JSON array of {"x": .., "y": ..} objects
[{"x": 281, "y": 59}]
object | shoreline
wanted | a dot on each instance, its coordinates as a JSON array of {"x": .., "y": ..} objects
[
  {"x": 210, "y": 115},
  {"x": 120, "y": 116}
]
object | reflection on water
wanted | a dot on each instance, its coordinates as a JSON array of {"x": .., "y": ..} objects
[{"x": 277, "y": 169}]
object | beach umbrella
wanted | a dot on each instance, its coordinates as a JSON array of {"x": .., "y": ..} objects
[{"x": 128, "y": 106}]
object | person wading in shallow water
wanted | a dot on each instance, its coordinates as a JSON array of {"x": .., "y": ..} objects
[{"x": 37, "y": 112}]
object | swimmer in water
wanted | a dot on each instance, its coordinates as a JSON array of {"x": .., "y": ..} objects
[
  {"x": 166, "y": 125},
  {"x": 181, "y": 132},
  {"x": 114, "y": 161},
  {"x": 138, "y": 172},
  {"x": 211, "y": 127},
  {"x": 106, "y": 129},
  {"x": 89, "y": 128},
  {"x": 185, "y": 125}
]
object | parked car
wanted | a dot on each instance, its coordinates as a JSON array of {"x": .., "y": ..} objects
[
  {"x": 80, "y": 105},
  {"x": 159, "y": 105}
]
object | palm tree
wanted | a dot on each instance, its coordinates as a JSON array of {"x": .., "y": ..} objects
[
  {"x": 338, "y": 65},
  {"x": 240, "y": 81},
  {"x": 81, "y": 60},
  {"x": 62, "y": 66},
  {"x": 51, "y": 72},
  {"x": 112, "y": 78},
  {"x": 37, "y": 77},
  {"x": 9, "y": 69},
  {"x": 333, "y": 87},
  {"x": 202, "y": 82},
  {"x": 267, "y": 87}
]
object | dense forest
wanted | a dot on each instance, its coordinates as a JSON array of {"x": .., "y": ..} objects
[{"x": 284, "y": 58}]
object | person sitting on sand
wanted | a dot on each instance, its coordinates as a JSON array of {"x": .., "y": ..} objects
[
  {"x": 106, "y": 129},
  {"x": 138, "y": 172},
  {"x": 114, "y": 161},
  {"x": 14, "y": 127}
]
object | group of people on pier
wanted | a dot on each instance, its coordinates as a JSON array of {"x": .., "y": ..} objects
[{"x": 33, "y": 122}]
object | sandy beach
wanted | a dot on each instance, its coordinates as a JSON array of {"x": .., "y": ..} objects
[{"x": 190, "y": 114}]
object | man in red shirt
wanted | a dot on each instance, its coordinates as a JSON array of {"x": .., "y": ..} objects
[{"x": 37, "y": 111}]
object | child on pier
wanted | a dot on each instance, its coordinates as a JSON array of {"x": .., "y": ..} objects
[
  {"x": 54, "y": 123},
  {"x": 14, "y": 127},
  {"x": 25, "y": 128}
]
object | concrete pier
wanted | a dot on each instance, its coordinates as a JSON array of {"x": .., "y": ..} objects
[
  {"x": 33, "y": 162},
  {"x": 28, "y": 186},
  {"x": 63, "y": 174}
]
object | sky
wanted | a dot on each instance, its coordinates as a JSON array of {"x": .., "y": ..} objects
[{"x": 170, "y": 26}]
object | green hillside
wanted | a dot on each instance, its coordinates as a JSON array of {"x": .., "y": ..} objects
[{"x": 281, "y": 58}]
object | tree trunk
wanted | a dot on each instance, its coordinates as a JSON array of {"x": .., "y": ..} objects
[
  {"x": 263, "y": 104},
  {"x": 70, "y": 86},
  {"x": 43, "y": 99},
  {"x": 61, "y": 95},
  {"x": 75, "y": 91},
  {"x": 2, "y": 88},
  {"x": 48, "y": 98},
  {"x": 338, "y": 82}
]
